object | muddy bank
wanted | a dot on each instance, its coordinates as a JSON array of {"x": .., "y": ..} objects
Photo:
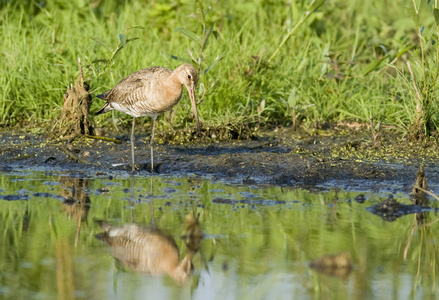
[{"x": 338, "y": 157}]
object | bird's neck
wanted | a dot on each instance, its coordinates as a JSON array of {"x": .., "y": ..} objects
[
  {"x": 173, "y": 81},
  {"x": 173, "y": 89}
]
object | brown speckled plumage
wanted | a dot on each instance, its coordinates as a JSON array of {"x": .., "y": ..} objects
[{"x": 150, "y": 92}]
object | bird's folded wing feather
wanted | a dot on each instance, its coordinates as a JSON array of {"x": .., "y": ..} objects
[{"x": 132, "y": 88}]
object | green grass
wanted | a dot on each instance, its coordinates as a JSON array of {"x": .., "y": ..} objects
[{"x": 342, "y": 64}]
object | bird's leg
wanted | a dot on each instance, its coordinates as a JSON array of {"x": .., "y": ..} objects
[
  {"x": 132, "y": 198},
  {"x": 132, "y": 146},
  {"x": 152, "y": 144},
  {"x": 152, "y": 204}
]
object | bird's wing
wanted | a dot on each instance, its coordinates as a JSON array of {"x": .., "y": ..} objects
[{"x": 128, "y": 90}]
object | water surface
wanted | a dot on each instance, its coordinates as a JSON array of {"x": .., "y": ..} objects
[{"x": 258, "y": 241}]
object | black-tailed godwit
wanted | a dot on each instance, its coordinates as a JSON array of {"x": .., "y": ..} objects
[{"x": 150, "y": 92}]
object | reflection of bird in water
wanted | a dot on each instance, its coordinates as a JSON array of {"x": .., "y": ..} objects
[
  {"x": 339, "y": 265},
  {"x": 76, "y": 200},
  {"x": 150, "y": 92},
  {"x": 192, "y": 234},
  {"x": 146, "y": 250}
]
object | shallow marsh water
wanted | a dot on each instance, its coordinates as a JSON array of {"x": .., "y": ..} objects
[{"x": 258, "y": 241}]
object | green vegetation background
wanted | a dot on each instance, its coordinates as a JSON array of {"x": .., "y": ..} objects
[{"x": 346, "y": 62}]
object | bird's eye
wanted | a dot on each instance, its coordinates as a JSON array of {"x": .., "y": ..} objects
[{"x": 189, "y": 76}]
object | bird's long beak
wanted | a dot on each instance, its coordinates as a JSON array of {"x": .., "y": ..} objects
[{"x": 191, "y": 92}]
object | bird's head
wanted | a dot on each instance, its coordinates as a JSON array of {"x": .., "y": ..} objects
[{"x": 188, "y": 76}]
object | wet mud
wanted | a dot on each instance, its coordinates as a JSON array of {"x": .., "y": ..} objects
[{"x": 345, "y": 158}]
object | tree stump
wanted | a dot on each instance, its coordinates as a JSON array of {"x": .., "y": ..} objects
[{"x": 74, "y": 120}]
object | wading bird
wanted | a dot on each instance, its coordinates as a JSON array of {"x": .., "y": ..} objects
[{"x": 150, "y": 92}]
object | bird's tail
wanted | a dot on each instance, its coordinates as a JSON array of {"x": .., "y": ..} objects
[
  {"x": 103, "y": 224},
  {"x": 104, "y": 109}
]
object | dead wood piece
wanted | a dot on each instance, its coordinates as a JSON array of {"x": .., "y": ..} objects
[
  {"x": 418, "y": 193},
  {"x": 74, "y": 119}
]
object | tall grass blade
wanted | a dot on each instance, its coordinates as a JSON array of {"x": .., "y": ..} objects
[
  {"x": 213, "y": 64},
  {"x": 122, "y": 39},
  {"x": 192, "y": 36},
  {"x": 436, "y": 16},
  {"x": 312, "y": 7}
]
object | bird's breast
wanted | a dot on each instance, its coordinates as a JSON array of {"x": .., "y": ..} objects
[{"x": 155, "y": 102}]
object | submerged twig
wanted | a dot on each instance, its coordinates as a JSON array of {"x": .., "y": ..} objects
[
  {"x": 104, "y": 138},
  {"x": 25, "y": 156},
  {"x": 73, "y": 156},
  {"x": 426, "y": 191}
]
